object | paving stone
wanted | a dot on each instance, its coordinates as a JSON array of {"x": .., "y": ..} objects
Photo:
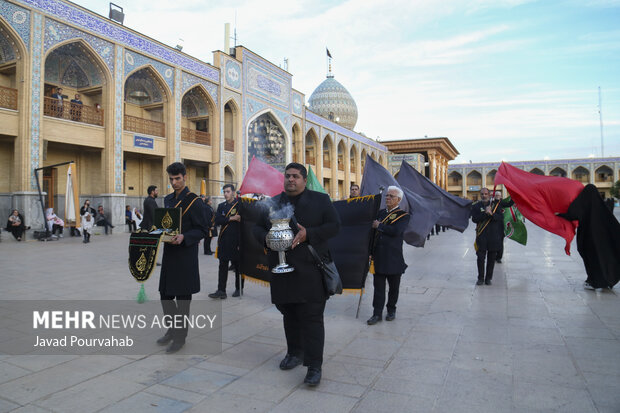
[
  {"x": 315, "y": 402},
  {"x": 91, "y": 395},
  {"x": 534, "y": 341},
  {"x": 147, "y": 403}
]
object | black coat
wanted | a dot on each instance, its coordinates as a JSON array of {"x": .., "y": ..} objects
[
  {"x": 228, "y": 241},
  {"x": 492, "y": 237},
  {"x": 315, "y": 212},
  {"x": 179, "y": 267},
  {"x": 148, "y": 213},
  {"x": 388, "y": 243}
]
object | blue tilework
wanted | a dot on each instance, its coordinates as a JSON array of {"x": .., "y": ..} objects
[
  {"x": 135, "y": 60},
  {"x": 189, "y": 81},
  {"x": 56, "y": 32},
  {"x": 118, "y": 121},
  {"x": 18, "y": 18},
  {"x": 35, "y": 95},
  {"x": 102, "y": 27}
]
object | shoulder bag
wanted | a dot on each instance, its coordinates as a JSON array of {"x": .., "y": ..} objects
[{"x": 331, "y": 278}]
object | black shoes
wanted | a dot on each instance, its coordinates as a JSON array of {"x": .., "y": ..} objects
[
  {"x": 499, "y": 260},
  {"x": 289, "y": 362},
  {"x": 479, "y": 282},
  {"x": 209, "y": 253},
  {"x": 373, "y": 320},
  {"x": 487, "y": 282},
  {"x": 162, "y": 341},
  {"x": 390, "y": 316},
  {"x": 236, "y": 293},
  {"x": 218, "y": 294},
  {"x": 175, "y": 346},
  {"x": 313, "y": 377}
]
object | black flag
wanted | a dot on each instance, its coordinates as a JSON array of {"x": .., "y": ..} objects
[
  {"x": 254, "y": 263},
  {"x": 453, "y": 210},
  {"x": 328, "y": 53},
  {"x": 351, "y": 247},
  {"x": 423, "y": 215}
]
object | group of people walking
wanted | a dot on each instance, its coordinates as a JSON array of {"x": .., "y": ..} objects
[{"x": 300, "y": 295}]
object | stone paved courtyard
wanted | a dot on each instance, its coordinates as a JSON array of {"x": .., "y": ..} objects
[{"x": 534, "y": 341}]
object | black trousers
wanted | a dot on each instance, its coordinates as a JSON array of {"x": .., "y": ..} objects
[
  {"x": 104, "y": 223},
  {"x": 490, "y": 258},
  {"x": 86, "y": 236},
  {"x": 378, "y": 300},
  {"x": 208, "y": 245},
  {"x": 305, "y": 331},
  {"x": 500, "y": 253},
  {"x": 132, "y": 225},
  {"x": 223, "y": 275},
  {"x": 177, "y": 308},
  {"x": 16, "y": 231}
]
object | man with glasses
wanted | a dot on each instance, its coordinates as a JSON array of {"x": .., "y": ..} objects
[{"x": 387, "y": 255}]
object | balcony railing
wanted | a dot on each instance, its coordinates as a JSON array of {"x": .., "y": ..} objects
[
  {"x": 146, "y": 126},
  {"x": 326, "y": 163},
  {"x": 195, "y": 136},
  {"x": 72, "y": 111},
  {"x": 352, "y": 168},
  {"x": 8, "y": 98},
  {"x": 310, "y": 160},
  {"x": 229, "y": 144},
  {"x": 340, "y": 166}
]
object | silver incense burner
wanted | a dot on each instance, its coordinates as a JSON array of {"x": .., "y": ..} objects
[{"x": 280, "y": 238}]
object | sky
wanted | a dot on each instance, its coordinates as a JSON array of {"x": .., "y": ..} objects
[{"x": 509, "y": 80}]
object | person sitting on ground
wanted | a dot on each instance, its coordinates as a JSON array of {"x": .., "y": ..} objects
[
  {"x": 16, "y": 224},
  {"x": 129, "y": 219},
  {"x": 87, "y": 226},
  {"x": 53, "y": 222},
  {"x": 102, "y": 220}
]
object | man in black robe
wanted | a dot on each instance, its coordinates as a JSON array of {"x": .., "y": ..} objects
[
  {"x": 180, "y": 276},
  {"x": 300, "y": 295},
  {"x": 228, "y": 218},
  {"x": 489, "y": 219},
  {"x": 387, "y": 254},
  {"x": 148, "y": 208}
]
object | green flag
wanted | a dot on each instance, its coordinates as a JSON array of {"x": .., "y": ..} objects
[
  {"x": 313, "y": 183},
  {"x": 514, "y": 225}
]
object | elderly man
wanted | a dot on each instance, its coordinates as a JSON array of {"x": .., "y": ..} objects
[
  {"x": 388, "y": 254},
  {"x": 489, "y": 219},
  {"x": 300, "y": 295}
]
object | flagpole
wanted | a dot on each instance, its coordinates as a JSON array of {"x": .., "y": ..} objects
[{"x": 359, "y": 304}]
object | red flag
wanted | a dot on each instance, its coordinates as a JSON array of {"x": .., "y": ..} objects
[
  {"x": 262, "y": 179},
  {"x": 540, "y": 197}
]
